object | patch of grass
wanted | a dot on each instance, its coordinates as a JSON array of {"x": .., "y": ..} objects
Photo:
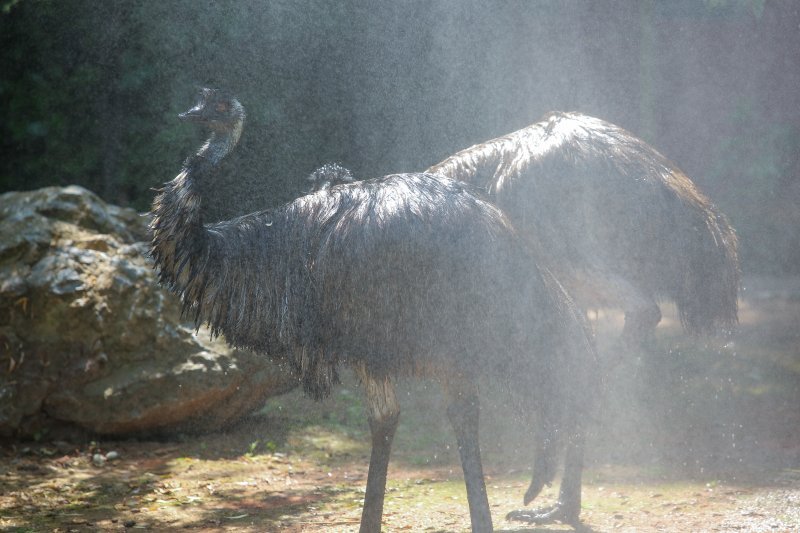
[{"x": 323, "y": 443}]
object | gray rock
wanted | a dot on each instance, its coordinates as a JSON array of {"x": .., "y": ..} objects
[{"x": 88, "y": 338}]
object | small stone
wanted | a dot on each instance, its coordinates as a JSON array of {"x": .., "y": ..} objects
[
  {"x": 112, "y": 456},
  {"x": 98, "y": 459}
]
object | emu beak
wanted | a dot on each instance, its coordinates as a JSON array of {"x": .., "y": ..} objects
[{"x": 195, "y": 114}]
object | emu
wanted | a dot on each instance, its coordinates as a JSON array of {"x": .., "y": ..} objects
[
  {"x": 405, "y": 275},
  {"x": 622, "y": 226}
]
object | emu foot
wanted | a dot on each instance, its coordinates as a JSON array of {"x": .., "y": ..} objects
[{"x": 557, "y": 512}]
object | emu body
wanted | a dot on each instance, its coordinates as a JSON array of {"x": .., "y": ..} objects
[
  {"x": 409, "y": 274},
  {"x": 619, "y": 223}
]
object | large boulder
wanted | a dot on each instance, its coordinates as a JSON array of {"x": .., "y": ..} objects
[{"x": 89, "y": 339}]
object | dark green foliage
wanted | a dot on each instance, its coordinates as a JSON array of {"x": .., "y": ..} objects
[
  {"x": 69, "y": 85},
  {"x": 760, "y": 167},
  {"x": 89, "y": 91},
  {"x": 89, "y": 88}
]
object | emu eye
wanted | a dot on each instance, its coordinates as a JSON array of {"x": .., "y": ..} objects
[{"x": 222, "y": 107}]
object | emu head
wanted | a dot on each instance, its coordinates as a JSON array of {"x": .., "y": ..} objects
[
  {"x": 329, "y": 175},
  {"x": 215, "y": 110}
]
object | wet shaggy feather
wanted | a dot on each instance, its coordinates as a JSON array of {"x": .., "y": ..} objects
[
  {"x": 328, "y": 175},
  {"x": 614, "y": 218},
  {"x": 406, "y": 273}
]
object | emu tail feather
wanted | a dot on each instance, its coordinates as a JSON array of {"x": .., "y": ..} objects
[{"x": 707, "y": 302}]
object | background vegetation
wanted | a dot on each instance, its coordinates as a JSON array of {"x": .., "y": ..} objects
[{"x": 89, "y": 92}]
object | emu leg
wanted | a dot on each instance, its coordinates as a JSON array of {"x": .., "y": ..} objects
[
  {"x": 548, "y": 435},
  {"x": 568, "y": 507},
  {"x": 642, "y": 313},
  {"x": 569, "y": 496},
  {"x": 463, "y": 411},
  {"x": 544, "y": 465},
  {"x": 383, "y": 414},
  {"x": 641, "y": 320}
]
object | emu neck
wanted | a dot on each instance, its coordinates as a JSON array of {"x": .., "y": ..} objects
[
  {"x": 218, "y": 145},
  {"x": 180, "y": 242}
]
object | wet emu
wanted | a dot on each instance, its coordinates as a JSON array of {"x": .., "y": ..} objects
[
  {"x": 621, "y": 225},
  {"x": 406, "y": 275}
]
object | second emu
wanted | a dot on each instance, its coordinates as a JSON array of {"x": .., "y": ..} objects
[
  {"x": 409, "y": 274},
  {"x": 620, "y": 224}
]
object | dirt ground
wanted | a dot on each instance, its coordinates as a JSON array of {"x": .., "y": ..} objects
[
  {"x": 712, "y": 444},
  {"x": 213, "y": 486}
]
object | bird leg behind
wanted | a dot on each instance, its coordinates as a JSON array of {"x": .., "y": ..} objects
[
  {"x": 545, "y": 461},
  {"x": 463, "y": 411},
  {"x": 640, "y": 325},
  {"x": 564, "y": 405},
  {"x": 549, "y": 440},
  {"x": 604, "y": 288},
  {"x": 642, "y": 315},
  {"x": 383, "y": 413},
  {"x": 568, "y": 507}
]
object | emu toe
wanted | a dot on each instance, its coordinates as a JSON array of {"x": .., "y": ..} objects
[
  {"x": 558, "y": 512},
  {"x": 536, "y": 486}
]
